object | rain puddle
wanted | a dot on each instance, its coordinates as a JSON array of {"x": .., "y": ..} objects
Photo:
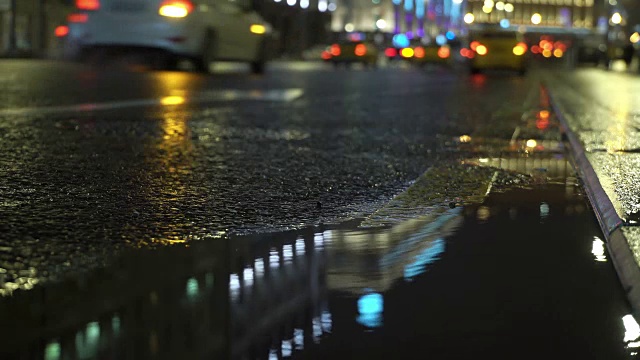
[{"x": 522, "y": 274}]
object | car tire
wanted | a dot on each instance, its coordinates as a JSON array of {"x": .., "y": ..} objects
[
  {"x": 202, "y": 62},
  {"x": 259, "y": 64}
]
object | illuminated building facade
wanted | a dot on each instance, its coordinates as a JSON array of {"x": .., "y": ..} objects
[{"x": 544, "y": 13}]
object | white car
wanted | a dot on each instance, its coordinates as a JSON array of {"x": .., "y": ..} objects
[{"x": 199, "y": 30}]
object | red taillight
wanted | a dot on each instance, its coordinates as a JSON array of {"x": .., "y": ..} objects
[
  {"x": 326, "y": 55},
  {"x": 335, "y": 50},
  {"x": 419, "y": 52},
  {"x": 360, "y": 50},
  {"x": 77, "y": 18},
  {"x": 175, "y": 8},
  {"x": 391, "y": 52},
  {"x": 61, "y": 31},
  {"x": 89, "y": 5},
  {"x": 474, "y": 45},
  {"x": 444, "y": 52}
]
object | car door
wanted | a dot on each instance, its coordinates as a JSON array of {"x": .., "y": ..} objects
[{"x": 231, "y": 29}]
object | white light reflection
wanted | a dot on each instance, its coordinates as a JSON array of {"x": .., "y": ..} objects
[
  {"x": 300, "y": 247},
  {"x": 234, "y": 286},
  {"x": 632, "y": 329},
  {"x": 287, "y": 253},
  {"x": 318, "y": 241},
  {"x": 273, "y": 354},
  {"x": 598, "y": 249},
  {"x": 248, "y": 276},
  {"x": 192, "y": 288},
  {"x": 286, "y": 348},
  {"x": 298, "y": 338},
  {"x": 327, "y": 323},
  {"x": 544, "y": 210},
  {"x": 322, "y": 5},
  {"x": 274, "y": 259},
  {"x": 317, "y": 330},
  {"x": 291, "y": 2},
  {"x": 259, "y": 266},
  {"x": 304, "y": 4}
]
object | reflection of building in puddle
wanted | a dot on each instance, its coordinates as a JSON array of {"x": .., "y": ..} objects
[
  {"x": 375, "y": 258},
  {"x": 548, "y": 165},
  {"x": 222, "y": 299}
]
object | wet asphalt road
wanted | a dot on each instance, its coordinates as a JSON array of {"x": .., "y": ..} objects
[{"x": 98, "y": 164}]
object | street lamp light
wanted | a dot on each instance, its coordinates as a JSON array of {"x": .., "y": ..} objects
[
  {"x": 616, "y": 18},
  {"x": 536, "y": 19}
]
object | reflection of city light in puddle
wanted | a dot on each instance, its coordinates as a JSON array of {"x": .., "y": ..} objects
[
  {"x": 632, "y": 329},
  {"x": 234, "y": 286},
  {"x": 273, "y": 354},
  {"x": 544, "y": 210},
  {"x": 465, "y": 139},
  {"x": 259, "y": 266},
  {"x": 317, "y": 329},
  {"x": 192, "y": 287},
  {"x": 483, "y": 213},
  {"x": 298, "y": 338},
  {"x": 248, "y": 276},
  {"x": 300, "y": 247},
  {"x": 274, "y": 259},
  {"x": 52, "y": 351},
  {"x": 327, "y": 322},
  {"x": 287, "y": 253},
  {"x": 287, "y": 348},
  {"x": 598, "y": 249},
  {"x": 370, "y": 308},
  {"x": 318, "y": 241}
]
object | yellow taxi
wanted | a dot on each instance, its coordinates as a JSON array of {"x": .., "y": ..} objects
[
  {"x": 350, "y": 52},
  {"x": 496, "y": 50},
  {"x": 431, "y": 54}
]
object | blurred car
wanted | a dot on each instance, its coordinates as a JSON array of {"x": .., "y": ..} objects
[
  {"x": 420, "y": 54},
  {"x": 431, "y": 54},
  {"x": 496, "y": 49},
  {"x": 201, "y": 31},
  {"x": 317, "y": 53},
  {"x": 349, "y": 52}
]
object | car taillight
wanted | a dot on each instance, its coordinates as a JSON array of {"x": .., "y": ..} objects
[
  {"x": 444, "y": 52},
  {"x": 481, "y": 50},
  {"x": 474, "y": 45},
  {"x": 391, "y": 52},
  {"x": 326, "y": 55},
  {"x": 360, "y": 50},
  {"x": 77, "y": 18},
  {"x": 418, "y": 52},
  {"x": 90, "y": 5},
  {"x": 335, "y": 50},
  {"x": 175, "y": 8},
  {"x": 520, "y": 49},
  {"x": 61, "y": 31}
]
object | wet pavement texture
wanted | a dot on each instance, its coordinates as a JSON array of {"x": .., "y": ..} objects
[
  {"x": 602, "y": 109},
  {"x": 173, "y": 228},
  {"x": 78, "y": 187}
]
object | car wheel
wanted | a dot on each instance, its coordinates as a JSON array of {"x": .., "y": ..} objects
[
  {"x": 259, "y": 64},
  {"x": 202, "y": 63}
]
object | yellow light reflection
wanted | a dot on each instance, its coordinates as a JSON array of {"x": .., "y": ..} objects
[
  {"x": 465, "y": 139},
  {"x": 258, "y": 29},
  {"x": 531, "y": 143},
  {"x": 635, "y": 38},
  {"x": 558, "y": 53},
  {"x": 536, "y": 19},
  {"x": 172, "y": 100},
  {"x": 547, "y": 53}
]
